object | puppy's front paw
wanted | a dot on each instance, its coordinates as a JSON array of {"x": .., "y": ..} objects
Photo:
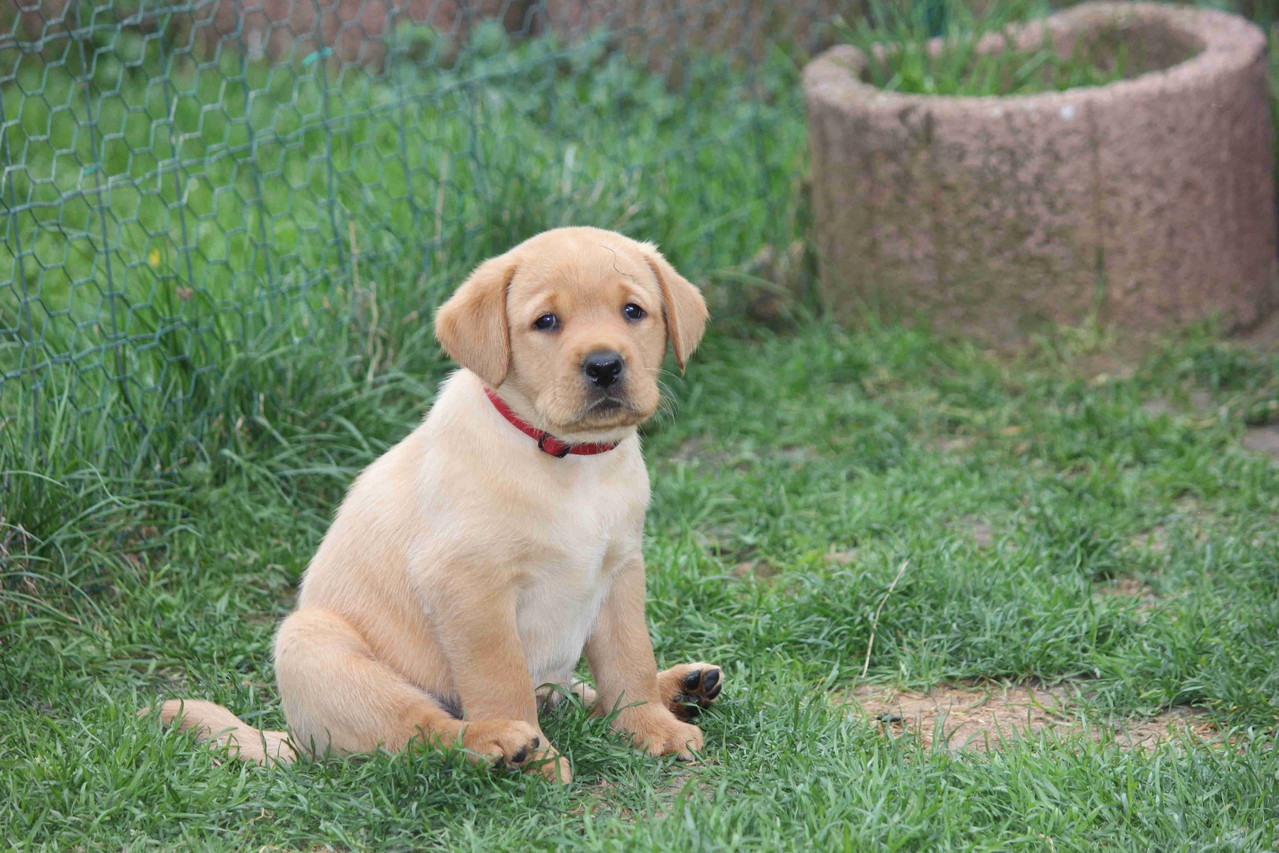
[
  {"x": 691, "y": 687},
  {"x": 513, "y": 744},
  {"x": 657, "y": 731}
]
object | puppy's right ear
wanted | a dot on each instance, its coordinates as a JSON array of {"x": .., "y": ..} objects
[{"x": 472, "y": 325}]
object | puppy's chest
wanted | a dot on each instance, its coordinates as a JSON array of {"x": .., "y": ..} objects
[{"x": 568, "y": 577}]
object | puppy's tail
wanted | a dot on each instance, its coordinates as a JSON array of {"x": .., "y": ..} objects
[{"x": 219, "y": 727}]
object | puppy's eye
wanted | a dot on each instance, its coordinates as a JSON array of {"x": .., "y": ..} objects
[
  {"x": 546, "y": 323},
  {"x": 631, "y": 311}
]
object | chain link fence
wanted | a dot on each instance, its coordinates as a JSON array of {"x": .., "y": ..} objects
[{"x": 194, "y": 191}]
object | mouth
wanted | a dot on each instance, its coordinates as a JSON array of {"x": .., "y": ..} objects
[
  {"x": 610, "y": 411},
  {"x": 609, "y": 405}
]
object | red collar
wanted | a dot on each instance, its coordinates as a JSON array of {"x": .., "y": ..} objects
[{"x": 546, "y": 442}]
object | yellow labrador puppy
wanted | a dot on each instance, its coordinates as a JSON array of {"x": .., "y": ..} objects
[{"x": 482, "y": 555}]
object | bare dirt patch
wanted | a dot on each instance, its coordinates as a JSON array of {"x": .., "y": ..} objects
[
  {"x": 1262, "y": 440},
  {"x": 1199, "y": 403},
  {"x": 982, "y": 532},
  {"x": 757, "y": 569},
  {"x": 957, "y": 444},
  {"x": 700, "y": 449},
  {"x": 983, "y": 718},
  {"x": 1142, "y": 593},
  {"x": 1153, "y": 540},
  {"x": 1160, "y": 406},
  {"x": 840, "y": 558}
]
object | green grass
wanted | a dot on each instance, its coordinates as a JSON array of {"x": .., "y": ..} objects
[
  {"x": 895, "y": 36},
  {"x": 181, "y": 235},
  {"x": 884, "y": 443}
]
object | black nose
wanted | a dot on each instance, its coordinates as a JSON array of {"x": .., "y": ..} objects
[{"x": 603, "y": 368}]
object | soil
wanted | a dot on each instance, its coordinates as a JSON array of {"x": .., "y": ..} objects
[
  {"x": 1262, "y": 439},
  {"x": 983, "y": 717}
]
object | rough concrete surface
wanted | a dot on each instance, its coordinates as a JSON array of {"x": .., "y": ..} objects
[{"x": 1148, "y": 202}]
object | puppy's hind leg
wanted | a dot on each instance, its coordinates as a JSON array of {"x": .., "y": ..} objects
[{"x": 339, "y": 697}]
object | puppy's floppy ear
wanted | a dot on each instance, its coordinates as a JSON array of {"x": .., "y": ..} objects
[
  {"x": 682, "y": 303},
  {"x": 472, "y": 325}
]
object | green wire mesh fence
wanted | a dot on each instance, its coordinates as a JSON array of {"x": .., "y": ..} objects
[
  {"x": 195, "y": 193},
  {"x": 192, "y": 191}
]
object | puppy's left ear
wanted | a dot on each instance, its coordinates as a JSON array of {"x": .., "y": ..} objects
[
  {"x": 682, "y": 303},
  {"x": 472, "y": 325}
]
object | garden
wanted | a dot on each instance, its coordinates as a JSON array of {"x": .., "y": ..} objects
[{"x": 967, "y": 593}]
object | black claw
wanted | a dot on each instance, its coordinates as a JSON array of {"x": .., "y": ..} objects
[
  {"x": 519, "y": 757},
  {"x": 692, "y": 679},
  {"x": 713, "y": 692},
  {"x": 499, "y": 763},
  {"x": 537, "y": 741},
  {"x": 711, "y": 679}
]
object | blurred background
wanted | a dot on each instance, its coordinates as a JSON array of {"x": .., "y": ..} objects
[{"x": 193, "y": 191}]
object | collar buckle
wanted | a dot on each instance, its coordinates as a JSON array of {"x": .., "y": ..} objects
[{"x": 541, "y": 445}]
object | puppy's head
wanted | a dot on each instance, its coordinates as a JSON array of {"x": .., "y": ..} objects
[{"x": 572, "y": 325}]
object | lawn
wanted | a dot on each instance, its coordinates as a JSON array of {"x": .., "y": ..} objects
[
  {"x": 1089, "y": 518},
  {"x": 1019, "y": 493}
]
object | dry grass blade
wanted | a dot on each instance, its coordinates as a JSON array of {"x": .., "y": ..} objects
[{"x": 874, "y": 622}]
